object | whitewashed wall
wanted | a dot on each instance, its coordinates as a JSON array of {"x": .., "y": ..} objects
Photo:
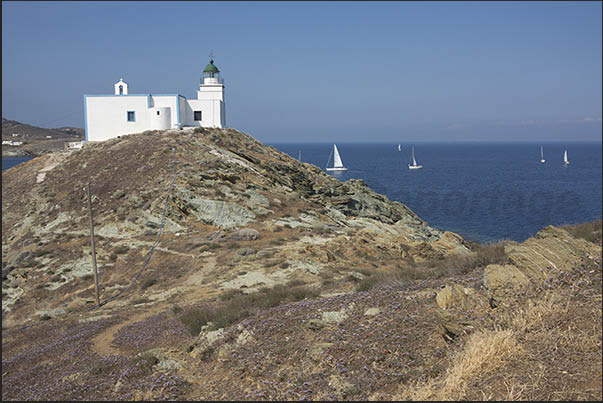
[
  {"x": 211, "y": 111},
  {"x": 106, "y": 116},
  {"x": 170, "y": 101}
]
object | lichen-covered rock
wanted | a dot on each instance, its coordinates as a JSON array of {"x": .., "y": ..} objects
[
  {"x": 453, "y": 325},
  {"x": 457, "y": 296},
  {"x": 503, "y": 282},
  {"x": 334, "y": 316},
  {"x": 317, "y": 350},
  {"x": 553, "y": 250},
  {"x": 245, "y": 234}
]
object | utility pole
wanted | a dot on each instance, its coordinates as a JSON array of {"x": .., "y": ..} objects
[{"x": 93, "y": 247}]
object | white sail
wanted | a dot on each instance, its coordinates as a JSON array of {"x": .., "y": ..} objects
[
  {"x": 541, "y": 154},
  {"x": 399, "y": 149},
  {"x": 414, "y": 161},
  {"x": 337, "y": 163},
  {"x": 565, "y": 160}
]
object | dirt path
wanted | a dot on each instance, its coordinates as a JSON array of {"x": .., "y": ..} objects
[
  {"x": 193, "y": 291},
  {"x": 51, "y": 163},
  {"x": 102, "y": 342}
]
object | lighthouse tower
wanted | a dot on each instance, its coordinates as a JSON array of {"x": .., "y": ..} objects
[{"x": 211, "y": 90}]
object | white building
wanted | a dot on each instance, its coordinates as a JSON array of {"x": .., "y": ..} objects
[
  {"x": 109, "y": 116},
  {"x": 74, "y": 145}
]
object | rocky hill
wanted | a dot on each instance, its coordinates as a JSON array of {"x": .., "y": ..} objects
[
  {"x": 229, "y": 270},
  {"x": 37, "y": 140}
]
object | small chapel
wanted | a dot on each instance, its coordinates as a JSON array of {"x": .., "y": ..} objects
[{"x": 112, "y": 115}]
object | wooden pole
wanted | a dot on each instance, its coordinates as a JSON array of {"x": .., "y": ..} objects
[{"x": 93, "y": 247}]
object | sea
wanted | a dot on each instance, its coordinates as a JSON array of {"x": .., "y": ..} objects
[{"x": 483, "y": 191}]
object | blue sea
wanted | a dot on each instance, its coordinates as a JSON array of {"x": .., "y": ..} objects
[
  {"x": 9, "y": 162},
  {"x": 483, "y": 191}
]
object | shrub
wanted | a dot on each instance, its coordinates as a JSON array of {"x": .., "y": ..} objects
[
  {"x": 230, "y": 294},
  {"x": 200, "y": 130},
  {"x": 121, "y": 249},
  {"x": 41, "y": 252},
  {"x": 146, "y": 361},
  {"x": 295, "y": 283},
  {"x": 45, "y": 317},
  {"x": 209, "y": 246},
  {"x": 148, "y": 283},
  {"x": 232, "y": 245},
  {"x": 195, "y": 318},
  {"x": 238, "y": 306},
  {"x": 98, "y": 368},
  {"x": 589, "y": 231},
  {"x": 367, "y": 283}
]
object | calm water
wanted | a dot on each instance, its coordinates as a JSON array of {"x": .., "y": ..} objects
[
  {"x": 9, "y": 162},
  {"x": 485, "y": 192}
]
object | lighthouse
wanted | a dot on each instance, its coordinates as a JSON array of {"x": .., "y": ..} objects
[
  {"x": 108, "y": 116},
  {"x": 211, "y": 93}
]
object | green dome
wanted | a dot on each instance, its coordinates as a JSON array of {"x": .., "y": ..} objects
[{"x": 211, "y": 67}]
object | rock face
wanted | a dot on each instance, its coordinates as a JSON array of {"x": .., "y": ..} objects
[
  {"x": 456, "y": 296},
  {"x": 219, "y": 196},
  {"x": 503, "y": 281},
  {"x": 551, "y": 252}
]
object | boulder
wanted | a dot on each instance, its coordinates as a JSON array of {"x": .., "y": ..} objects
[
  {"x": 316, "y": 324},
  {"x": 216, "y": 236},
  {"x": 457, "y": 296},
  {"x": 245, "y": 234},
  {"x": 317, "y": 350},
  {"x": 341, "y": 386},
  {"x": 452, "y": 326},
  {"x": 503, "y": 282},
  {"x": 334, "y": 316},
  {"x": 552, "y": 250},
  {"x": 372, "y": 312}
]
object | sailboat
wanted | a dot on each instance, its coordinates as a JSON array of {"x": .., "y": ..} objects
[
  {"x": 399, "y": 148},
  {"x": 541, "y": 155},
  {"x": 337, "y": 163},
  {"x": 565, "y": 160},
  {"x": 414, "y": 161}
]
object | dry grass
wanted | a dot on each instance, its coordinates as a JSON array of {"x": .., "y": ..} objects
[
  {"x": 590, "y": 231},
  {"x": 453, "y": 265},
  {"x": 484, "y": 353},
  {"x": 237, "y": 306},
  {"x": 545, "y": 346}
]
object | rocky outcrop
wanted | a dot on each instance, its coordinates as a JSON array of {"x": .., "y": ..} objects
[
  {"x": 503, "y": 282},
  {"x": 552, "y": 252},
  {"x": 210, "y": 194}
]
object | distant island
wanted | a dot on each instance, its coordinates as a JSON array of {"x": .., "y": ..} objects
[{"x": 21, "y": 139}]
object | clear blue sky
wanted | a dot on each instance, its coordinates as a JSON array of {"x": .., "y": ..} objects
[{"x": 321, "y": 71}]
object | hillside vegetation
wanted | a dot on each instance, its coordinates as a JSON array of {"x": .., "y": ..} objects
[{"x": 229, "y": 270}]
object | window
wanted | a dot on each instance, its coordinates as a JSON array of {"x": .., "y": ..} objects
[
  {"x": 197, "y": 116},
  {"x": 121, "y": 90},
  {"x": 158, "y": 112},
  {"x": 131, "y": 116}
]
